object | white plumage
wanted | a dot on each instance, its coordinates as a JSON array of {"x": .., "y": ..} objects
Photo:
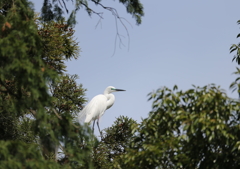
[{"x": 98, "y": 105}]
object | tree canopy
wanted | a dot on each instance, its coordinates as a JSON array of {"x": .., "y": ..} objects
[
  {"x": 196, "y": 128},
  {"x": 38, "y": 101}
]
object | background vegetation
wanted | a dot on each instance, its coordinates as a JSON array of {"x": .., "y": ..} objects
[{"x": 196, "y": 128}]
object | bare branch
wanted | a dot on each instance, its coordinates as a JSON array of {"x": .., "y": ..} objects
[
  {"x": 117, "y": 18},
  {"x": 90, "y": 10},
  {"x": 33, "y": 112},
  {"x": 99, "y": 21},
  {"x": 65, "y": 5},
  {"x": 57, "y": 114}
]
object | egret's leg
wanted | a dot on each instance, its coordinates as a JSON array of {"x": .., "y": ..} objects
[
  {"x": 99, "y": 128},
  {"x": 93, "y": 126}
]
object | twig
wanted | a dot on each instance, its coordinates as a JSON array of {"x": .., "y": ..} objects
[
  {"x": 57, "y": 114},
  {"x": 117, "y": 18}
]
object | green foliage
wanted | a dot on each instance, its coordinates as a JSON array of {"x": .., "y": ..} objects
[
  {"x": 38, "y": 103},
  {"x": 116, "y": 139},
  {"x": 135, "y": 8},
  {"x": 50, "y": 13},
  {"x": 21, "y": 62},
  {"x": 60, "y": 125},
  {"x": 54, "y": 10},
  {"x": 18, "y": 155},
  {"x": 22, "y": 81},
  {"x": 198, "y": 128},
  {"x": 236, "y": 85},
  {"x": 68, "y": 96},
  {"x": 58, "y": 43},
  {"x": 236, "y": 47}
]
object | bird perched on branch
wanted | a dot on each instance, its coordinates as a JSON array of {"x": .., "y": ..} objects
[{"x": 98, "y": 105}]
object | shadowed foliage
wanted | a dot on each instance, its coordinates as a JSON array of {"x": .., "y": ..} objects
[
  {"x": 197, "y": 128},
  {"x": 38, "y": 102}
]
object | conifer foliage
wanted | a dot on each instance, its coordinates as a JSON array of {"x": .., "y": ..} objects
[
  {"x": 196, "y": 128},
  {"x": 38, "y": 102}
]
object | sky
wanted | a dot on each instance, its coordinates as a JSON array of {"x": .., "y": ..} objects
[{"x": 179, "y": 42}]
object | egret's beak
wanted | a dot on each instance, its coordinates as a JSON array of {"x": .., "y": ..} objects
[{"x": 119, "y": 90}]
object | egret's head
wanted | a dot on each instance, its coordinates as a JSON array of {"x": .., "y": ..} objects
[{"x": 111, "y": 89}]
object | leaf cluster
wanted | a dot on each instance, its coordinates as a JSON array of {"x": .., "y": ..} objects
[
  {"x": 58, "y": 43},
  {"x": 114, "y": 144},
  {"x": 198, "y": 128},
  {"x": 38, "y": 103},
  {"x": 236, "y": 47}
]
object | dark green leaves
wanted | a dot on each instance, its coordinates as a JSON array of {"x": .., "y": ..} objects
[
  {"x": 114, "y": 144},
  {"x": 197, "y": 128},
  {"x": 21, "y": 65},
  {"x": 53, "y": 10},
  {"x": 236, "y": 47},
  {"x": 135, "y": 8},
  {"x": 38, "y": 103},
  {"x": 12, "y": 156}
]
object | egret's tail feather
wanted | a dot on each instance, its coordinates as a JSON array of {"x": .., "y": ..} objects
[
  {"x": 81, "y": 116},
  {"x": 88, "y": 119}
]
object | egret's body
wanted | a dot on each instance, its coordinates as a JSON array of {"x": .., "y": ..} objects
[{"x": 98, "y": 105}]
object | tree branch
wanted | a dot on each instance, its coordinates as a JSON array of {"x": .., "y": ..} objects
[{"x": 117, "y": 18}]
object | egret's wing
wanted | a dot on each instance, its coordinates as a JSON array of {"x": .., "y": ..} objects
[{"x": 93, "y": 109}]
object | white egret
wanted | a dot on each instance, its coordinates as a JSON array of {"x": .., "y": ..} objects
[{"x": 98, "y": 105}]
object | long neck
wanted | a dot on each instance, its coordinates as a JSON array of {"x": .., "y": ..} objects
[{"x": 110, "y": 100}]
